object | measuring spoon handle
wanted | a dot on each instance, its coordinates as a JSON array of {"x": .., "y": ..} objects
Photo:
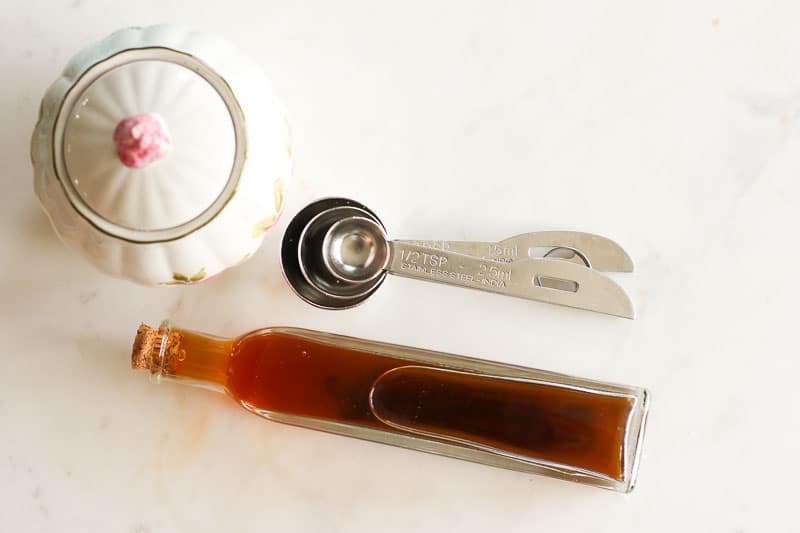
[
  {"x": 546, "y": 280},
  {"x": 600, "y": 252}
]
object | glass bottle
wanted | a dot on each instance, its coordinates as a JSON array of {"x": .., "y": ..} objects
[{"x": 492, "y": 413}]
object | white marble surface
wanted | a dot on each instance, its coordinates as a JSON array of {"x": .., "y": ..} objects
[{"x": 672, "y": 127}]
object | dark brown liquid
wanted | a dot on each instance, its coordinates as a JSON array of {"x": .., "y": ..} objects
[{"x": 284, "y": 373}]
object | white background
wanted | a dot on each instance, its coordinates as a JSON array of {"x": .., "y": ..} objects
[{"x": 671, "y": 127}]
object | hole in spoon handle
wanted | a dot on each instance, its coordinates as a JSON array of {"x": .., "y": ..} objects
[{"x": 556, "y": 283}]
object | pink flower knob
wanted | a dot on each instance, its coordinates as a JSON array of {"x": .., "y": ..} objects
[{"x": 141, "y": 140}]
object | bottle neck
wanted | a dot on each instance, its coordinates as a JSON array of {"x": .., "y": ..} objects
[{"x": 184, "y": 356}]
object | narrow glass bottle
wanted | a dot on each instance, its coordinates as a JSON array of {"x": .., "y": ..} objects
[{"x": 496, "y": 414}]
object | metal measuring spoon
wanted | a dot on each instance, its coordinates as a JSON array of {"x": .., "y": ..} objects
[
  {"x": 344, "y": 254},
  {"x": 356, "y": 250}
]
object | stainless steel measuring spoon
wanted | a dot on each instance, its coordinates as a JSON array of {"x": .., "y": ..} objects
[{"x": 336, "y": 253}]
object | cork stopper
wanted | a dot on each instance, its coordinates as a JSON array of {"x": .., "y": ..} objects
[{"x": 144, "y": 345}]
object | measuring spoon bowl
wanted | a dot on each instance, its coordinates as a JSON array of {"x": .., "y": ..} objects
[{"x": 356, "y": 250}]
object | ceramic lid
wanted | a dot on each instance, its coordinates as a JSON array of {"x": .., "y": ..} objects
[{"x": 149, "y": 144}]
